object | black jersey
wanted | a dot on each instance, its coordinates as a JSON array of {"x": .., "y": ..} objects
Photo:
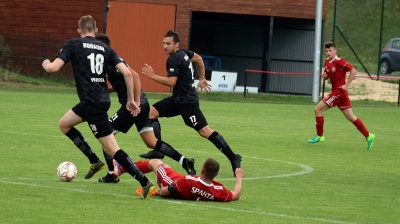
[
  {"x": 179, "y": 65},
  {"x": 89, "y": 59},
  {"x": 117, "y": 81}
]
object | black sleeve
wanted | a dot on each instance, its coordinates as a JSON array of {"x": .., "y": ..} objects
[
  {"x": 112, "y": 71},
  {"x": 66, "y": 52},
  {"x": 114, "y": 59},
  {"x": 190, "y": 54}
]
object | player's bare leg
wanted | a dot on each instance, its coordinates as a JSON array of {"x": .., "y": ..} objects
[
  {"x": 153, "y": 164},
  {"x": 66, "y": 125}
]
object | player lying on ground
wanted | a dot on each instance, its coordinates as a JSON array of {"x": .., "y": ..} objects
[{"x": 190, "y": 187}]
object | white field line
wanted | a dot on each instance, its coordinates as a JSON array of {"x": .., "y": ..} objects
[
  {"x": 202, "y": 205},
  {"x": 304, "y": 168}
]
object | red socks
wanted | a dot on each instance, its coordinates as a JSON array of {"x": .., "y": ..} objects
[
  {"x": 143, "y": 166},
  {"x": 358, "y": 123},
  {"x": 360, "y": 126},
  {"x": 319, "y": 123}
]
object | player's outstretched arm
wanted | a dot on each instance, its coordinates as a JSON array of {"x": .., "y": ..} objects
[
  {"x": 137, "y": 86},
  {"x": 164, "y": 192},
  {"x": 324, "y": 75},
  {"x": 238, "y": 186},
  {"x": 352, "y": 75},
  {"x": 166, "y": 81},
  {"x": 203, "y": 84},
  {"x": 54, "y": 66},
  {"x": 130, "y": 105},
  {"x": 198, "y": 61}
]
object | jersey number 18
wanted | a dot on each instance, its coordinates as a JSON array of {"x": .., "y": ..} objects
[{"x": 96, "y": 63}]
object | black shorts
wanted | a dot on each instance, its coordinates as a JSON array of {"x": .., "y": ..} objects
[
  {"x": 95, "y": 114},
  {"x": 190, "y": 112},
  {"x": 123, "y": 120}
]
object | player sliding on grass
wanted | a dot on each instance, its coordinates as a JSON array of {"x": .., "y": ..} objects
[
  {"x": 336, "y": 69},
  {"x": 190, "y": 187}
]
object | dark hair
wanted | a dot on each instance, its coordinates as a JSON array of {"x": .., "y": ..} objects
[
  {"x": 87, "y": 24},
  {"x": 102, "y": 37},
  {"x": 211, "y": 168},
  {"x": 173, "y": 34},
  {"x": 329, "y": 45}
]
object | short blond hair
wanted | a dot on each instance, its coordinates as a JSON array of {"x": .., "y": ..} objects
[{"x": 87, "y": 24}]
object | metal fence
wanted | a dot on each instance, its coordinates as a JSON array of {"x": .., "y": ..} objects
[
  {"x": 28, "y": 53},
  {"x": 281, "y": 46}
]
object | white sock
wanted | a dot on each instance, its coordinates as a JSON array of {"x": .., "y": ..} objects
[{"x": 181, "y": 160}]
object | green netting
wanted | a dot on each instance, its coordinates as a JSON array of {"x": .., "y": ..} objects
[{"x": 360, "y": 23}]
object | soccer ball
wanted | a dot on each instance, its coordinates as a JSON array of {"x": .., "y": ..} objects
[{"x": 66, "y": 171}]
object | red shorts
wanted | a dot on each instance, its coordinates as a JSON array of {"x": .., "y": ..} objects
[
  {"x": 166, "y": 175},
  {"x": 338, "y": 98}
]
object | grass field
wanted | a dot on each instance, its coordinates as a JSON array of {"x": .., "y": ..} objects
[{"x": 287, "y": 180}]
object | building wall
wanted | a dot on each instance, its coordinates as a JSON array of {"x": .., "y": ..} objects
[
  {"x": 304, "y": 9},
  {"x": 43, "y": 26},
  {"x": 139, "y": 40},
  {"x": 47, "y": 18},
  {"x": 36, "y": 29}
]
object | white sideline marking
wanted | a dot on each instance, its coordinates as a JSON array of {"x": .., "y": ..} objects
[{"x": 202, "y": 205}]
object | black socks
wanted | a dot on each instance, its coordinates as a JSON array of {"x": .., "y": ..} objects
[
  {"x": 168, "y": 150},
  {"x": 156, "y": 128},
  {"x": 222, "y": 145},
  {"x": 82, "y": 145},
  {"x": 126, "y": 162}
]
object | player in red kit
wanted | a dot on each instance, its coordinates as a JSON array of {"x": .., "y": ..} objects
[
  {"x": 336, "y": 69},
  {"x": 190, "y": 187}
]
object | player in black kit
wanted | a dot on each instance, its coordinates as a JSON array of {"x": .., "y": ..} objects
[
  {"x": 184, "y": 100},
  {"x": 90, "y": 59},
  {"x": 122, "y": 120}
]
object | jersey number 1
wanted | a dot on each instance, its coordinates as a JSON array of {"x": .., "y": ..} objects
[
  {"x": 96, "y": 64},
  {"x": 191, "y": 69}
]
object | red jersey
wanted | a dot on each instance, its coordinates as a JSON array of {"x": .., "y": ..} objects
[
  {"x": 336, "y": 71},
  {"x": 193, "y": 188}
]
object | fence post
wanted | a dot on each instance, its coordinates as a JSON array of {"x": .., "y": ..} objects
[
  {"x": 398, "y": 96},
  {"x": 105, "y": 16},
  {"x": 42, "y": 55},
  {"x": 245, "y": 84}
]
